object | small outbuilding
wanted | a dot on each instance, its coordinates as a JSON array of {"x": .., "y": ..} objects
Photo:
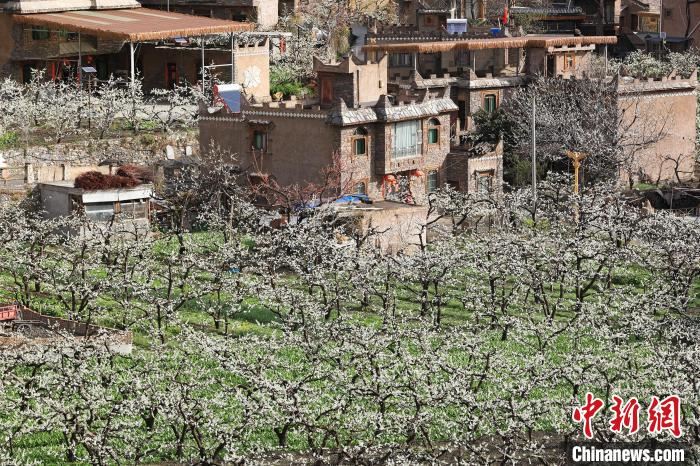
[{"x": 62, "y": 198}]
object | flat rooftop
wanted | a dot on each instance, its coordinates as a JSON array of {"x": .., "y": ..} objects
[{"x": 69, "y": 185}]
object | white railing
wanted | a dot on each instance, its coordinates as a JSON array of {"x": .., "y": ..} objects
[{"x": 406, "y": 152}]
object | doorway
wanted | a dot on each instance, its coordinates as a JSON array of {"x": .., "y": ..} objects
[
  {"x": 170, "y": 75},
  {"x": 551, "y": 66},
  {"x": 102, "y": 66}
]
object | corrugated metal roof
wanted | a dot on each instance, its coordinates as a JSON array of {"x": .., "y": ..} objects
[
  {"x": 47, "y": 6},
  {"x": 133, "y": 24}
]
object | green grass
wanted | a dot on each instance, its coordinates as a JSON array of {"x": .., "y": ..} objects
[{"x": 645, "y": 186}]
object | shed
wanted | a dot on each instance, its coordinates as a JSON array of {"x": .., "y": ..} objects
[{"x": 62, "y": 198}]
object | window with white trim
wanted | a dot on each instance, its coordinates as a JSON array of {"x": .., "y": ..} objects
[
  {"x": 406, "y": 140},
  {"x": 359, "y": 142}
]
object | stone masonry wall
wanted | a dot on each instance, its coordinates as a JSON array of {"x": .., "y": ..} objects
[{"x": 38, "y": 164}]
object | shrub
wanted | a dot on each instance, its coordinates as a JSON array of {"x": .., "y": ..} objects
[
  {"x": 283, "y": 81},
  {"x": 646, "y": 65},
  {"x": 685, "y": 62},
  {"x": 9, "y": 140},
  {"x": 148, "y": 139}
]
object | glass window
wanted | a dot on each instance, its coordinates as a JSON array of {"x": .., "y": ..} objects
[
  {"x": 136, "y": 208},
  {"x": 99, "y": 211},
  {"x": 433, "y": 131},
  {"x": 361, "y": 188},
  {"x": 406, "y": 140},
  {"x": 259, "y": 140},
  {"x": 360, "y": 146},
  {"x": 433, "y": 181},
  {"x": 40, "y": 34},
  {"x": 433, "y": 136},
  {"x": 648, "y": 24},
  {"x": 490, "y": 103},
  {"x": 401, "y": 59},
  {"x": 68, "y": 36}
]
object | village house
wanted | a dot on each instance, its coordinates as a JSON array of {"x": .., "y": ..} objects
[
  {"x": 648, "y": 25},
  {"x": 482, "y": 71},
  {"x": 114, "y": 38},
  {"x": 638, "y": 24},
  {"x": 390, "y": 146},
  {"x": 681, "y": 23}
]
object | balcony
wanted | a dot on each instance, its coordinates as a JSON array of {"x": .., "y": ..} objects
[{"x": 406, "y": 152}]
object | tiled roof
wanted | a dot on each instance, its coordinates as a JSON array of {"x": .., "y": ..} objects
[
  {"x": 341, "y": 115},
  {"x": 543, "y": 11},
  {"x": 432, "y": 107},
  {"x": 464, "y": 82},
  {"x": 484, "y": 83},
  {"x": 347, "y": 116}
]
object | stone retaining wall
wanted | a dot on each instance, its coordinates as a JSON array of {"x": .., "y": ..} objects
[{"x": 22, "y": 168}]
